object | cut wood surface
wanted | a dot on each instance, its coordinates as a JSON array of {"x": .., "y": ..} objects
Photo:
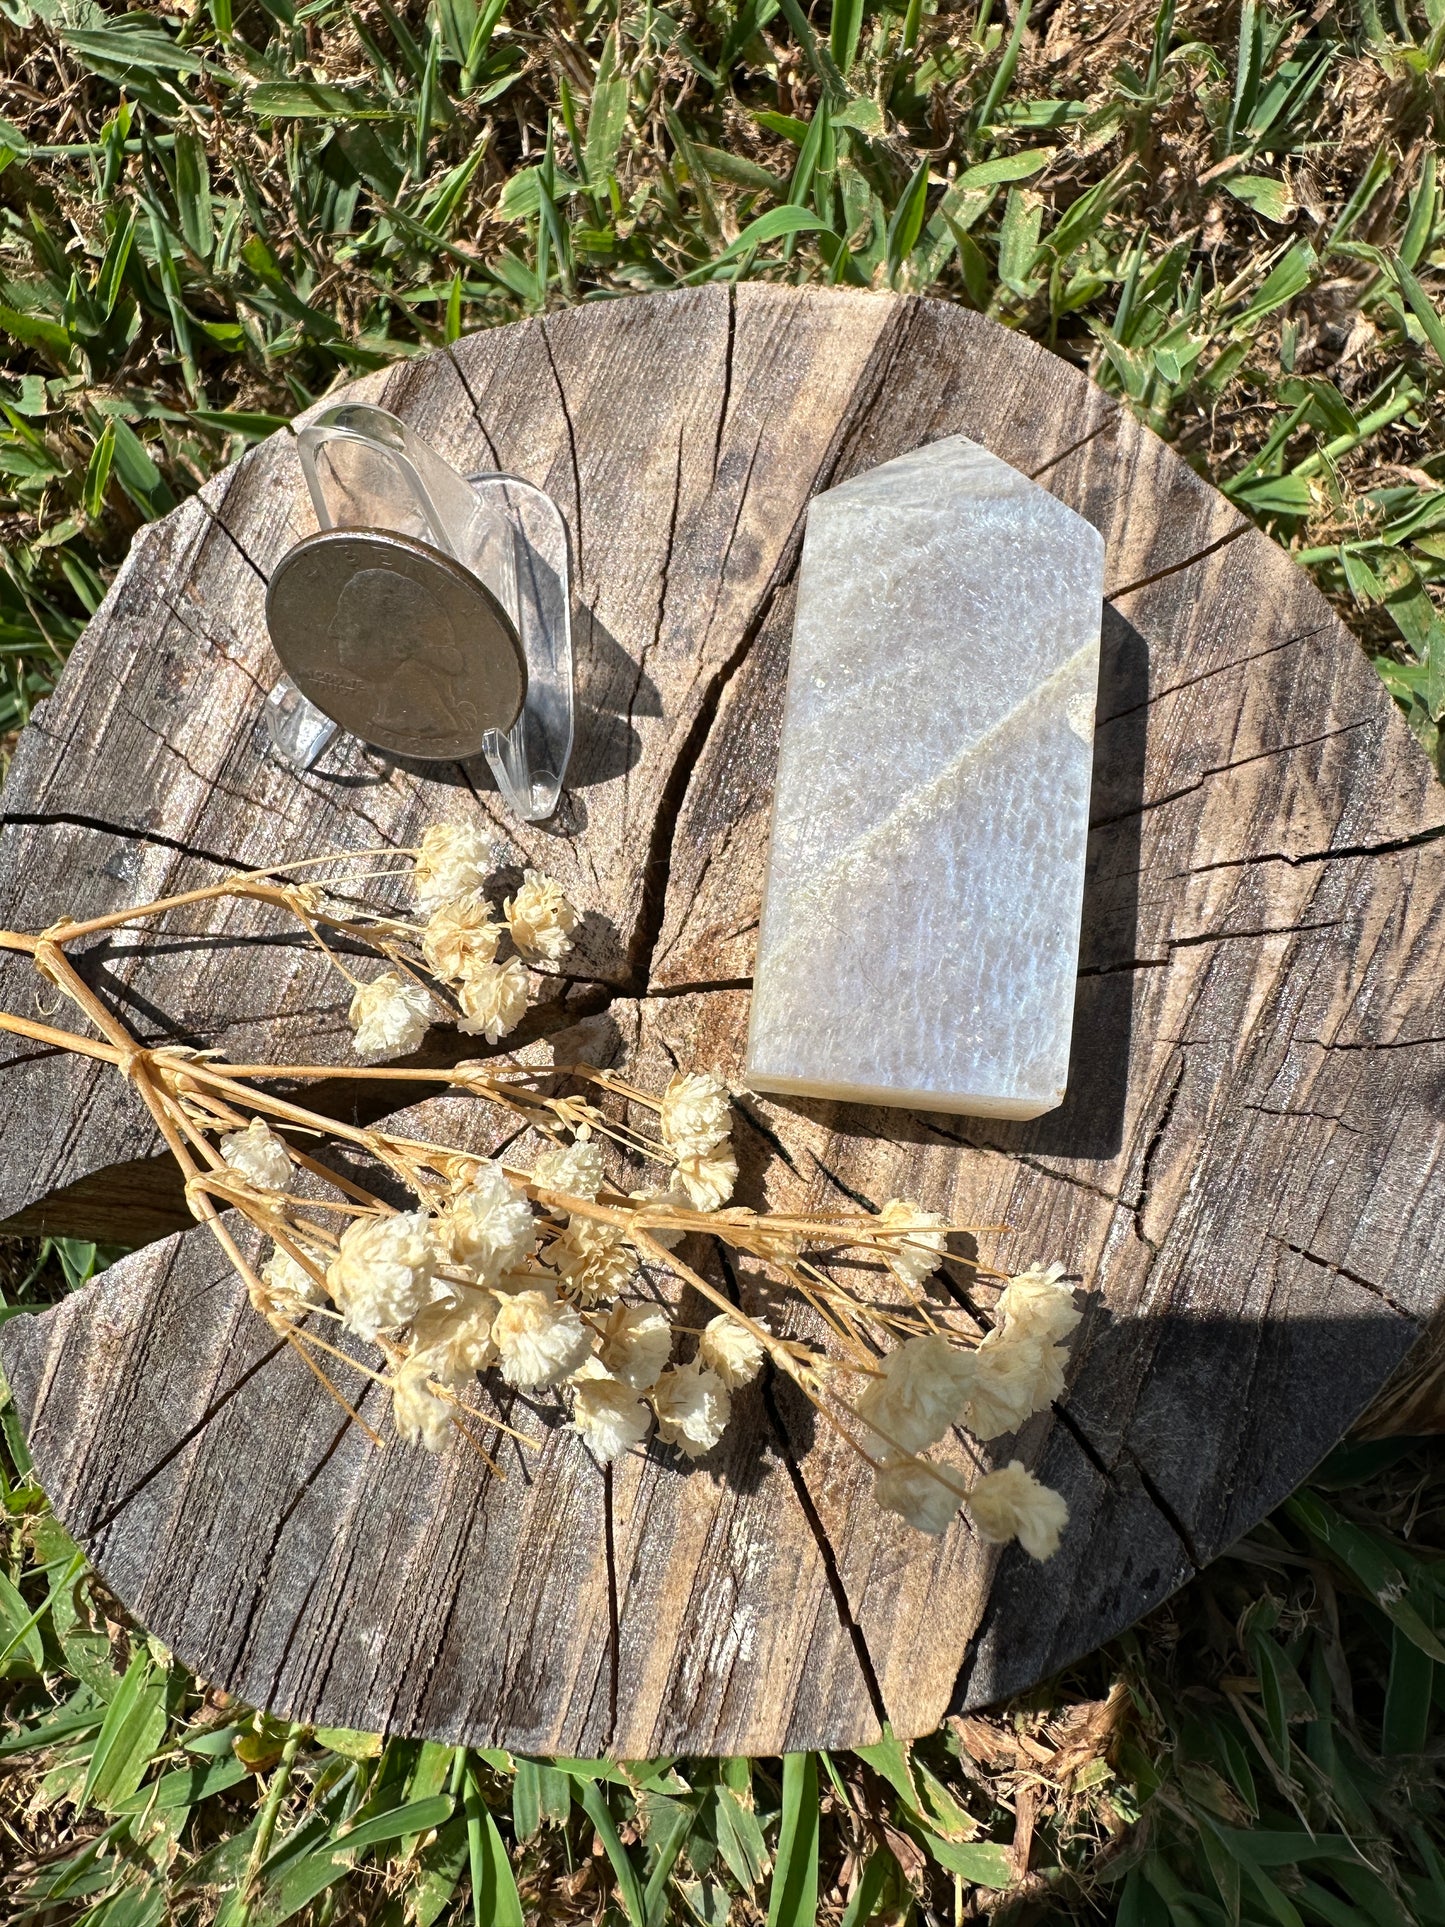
[{"x": 1243, "y": 1178}]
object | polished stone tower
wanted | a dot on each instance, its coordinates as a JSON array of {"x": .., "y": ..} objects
[{"x": 920, "y": 929}]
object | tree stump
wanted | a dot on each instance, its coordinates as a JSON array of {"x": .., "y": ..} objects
[{"x": 1245, "y": 1174}]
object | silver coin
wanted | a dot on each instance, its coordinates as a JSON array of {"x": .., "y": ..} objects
[{"x": 397, "y": 642}]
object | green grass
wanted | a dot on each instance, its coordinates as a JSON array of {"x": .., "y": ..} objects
[{"x": 1232, "y": 216}]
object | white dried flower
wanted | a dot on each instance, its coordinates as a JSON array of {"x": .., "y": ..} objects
[
  {"x": 454, "y": 1335},
  {"x": 421, "y": 1418},
  {"x": 1038, "y": 1304},
  {"x": 924, "y": 1389},
  {"x": 573, "y": 1169},
  {"x": 291, "y": 1284},
  {"x": 636, "y": 1344},
  {"x": 915, "y": 1251},
  {"x": 1051, "y": 1366},
  {"x": 384, "y": 1271},
  {"x": 258, "y": 1155},
  {"x": 460, "y": 936},
  {"x": 696, "y": 1115},
  {"x": 708, "y": 1177},
  {"x": 390, "y": 1015},
  {"x": 489, "y": 1227},
  {"x": 782, "y": 1247},
  {"x": 607, "y": 1413},
  {"x": 673, "y": 1199},
  {"x": 592, "y": 1261},
  {"x": 452, "y": 862},
  {"x": 1013, "y": 1504},
  {"x": 493, "y": 998},
  {"x": 918, "y": 1495},
  {"x": 1013, "y": 1379},
  {"x": 730, "y": 1350},
  {"x": 692, "y": 1406},
  {"x": 541, "y": 919},
  {"x": 540, "y": 1340}
]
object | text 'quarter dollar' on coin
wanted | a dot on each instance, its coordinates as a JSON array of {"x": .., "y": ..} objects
[{"x": 400, "y": 644}]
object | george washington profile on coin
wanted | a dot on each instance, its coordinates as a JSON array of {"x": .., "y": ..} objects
[{"x": 397, "y": 642}]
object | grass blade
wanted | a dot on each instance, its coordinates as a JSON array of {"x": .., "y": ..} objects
[
  {"x": 131, "y": 1732},
  {"x": 793, "y": 1898},
  {"x": 596, "y": 1809},
  {"x": 606, "y": 117},
  {"x": 907, "y": 222},
  {"x": 768, "y": 227},
  {"x": 1421, "y": 307},
  {"x": 847, "y": 24},
  {"x": 495, "y": 1902},
  {"x": 1004, "y": 72}
]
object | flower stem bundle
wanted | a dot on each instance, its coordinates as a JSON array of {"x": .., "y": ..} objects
[{"x": 559, "y": 1275}]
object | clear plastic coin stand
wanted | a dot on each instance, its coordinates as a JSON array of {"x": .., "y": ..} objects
[{"x": 366, "y": 469}]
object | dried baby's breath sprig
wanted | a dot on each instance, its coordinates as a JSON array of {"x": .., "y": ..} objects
[
  {"x": 460, "y": 936},
  {"x": 259, "y": 1155},
  {"x": 1012, "y": 1504},
  {"x": 541, "y": 919},
  {"x": 451, "y": 862},
  {"x": 607, "y": 1412},
  {"x": 493, "y": 999},
  {"x": 390, "y": 1015},
  {"x": 731, "y": 1351},
  {"x": 549, "y": 1279}
]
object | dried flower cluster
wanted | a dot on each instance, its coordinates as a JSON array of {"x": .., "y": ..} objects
[
  {"x": 458, "y": 945},
  {"x": 558, "y": 1277}
]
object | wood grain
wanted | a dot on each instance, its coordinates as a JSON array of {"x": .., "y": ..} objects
[{"x": 1243, "y": 1177}]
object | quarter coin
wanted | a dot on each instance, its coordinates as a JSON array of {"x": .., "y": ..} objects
[{"x": 400, "y": 644}]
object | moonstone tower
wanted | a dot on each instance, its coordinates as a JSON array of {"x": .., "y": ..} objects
[{"x": 920, "y": 928}]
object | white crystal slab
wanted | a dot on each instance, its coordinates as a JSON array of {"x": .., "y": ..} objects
[{"x": 920, "y": 928}]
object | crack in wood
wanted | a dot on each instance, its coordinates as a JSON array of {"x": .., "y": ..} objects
[
  {"x": 1205, "y": 675},
  {"x": 1166, "y": 1510},
  {"x": 566, "y": 413},
  {"x": 1151, "y": 1152},
  {"x": 1011, "y": 1155},
  {"x": 664, "y": 577},
  {"x": 193, "y": 1431},
  {"x": 217, "y": 520},
  {"x": 727, "y": 394},
  {"x": 860, "y": 1198},
  {"x": 1314, "y": 1117},
  {"x": 1226, "y": 769},
  {"x": 461, "y": 374},
  {"x": 1391, "y": 846},
  {"x": 1128, "y": 964},
  {"x": 284, "y": 1519},
  {"x": 72, "y": 819},
  {"x": 210, "y": 643},
  {"x": 1148, "y": 1483},
  {"x": 658, "y": 991},
  {"x": 1110, "y": 422},
  {"x": 827, "y": 1554},
  {"x": 768, "y": 1135},
  {"x": 1175, "y": 568},
  {"x": 1343, "y": 1271},
  {"x": 1373, "y": 1044},
  {"x": 614, "y": 1611},
  {"x": 657, "y": 868},
  {"x": 1264, "y": 930}
]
